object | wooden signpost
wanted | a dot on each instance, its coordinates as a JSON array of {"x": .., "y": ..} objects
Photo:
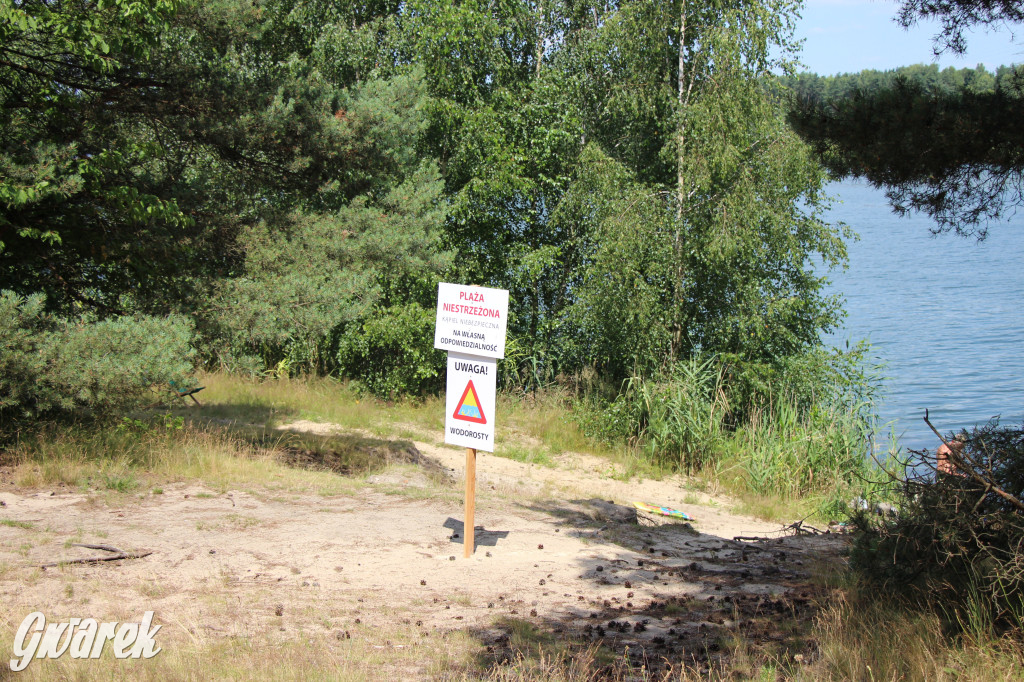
[{"x": 471, "y": 323}]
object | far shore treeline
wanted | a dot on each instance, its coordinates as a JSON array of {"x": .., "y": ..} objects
[
  {"x": 933, "y": 80},
  {"x": 947, "y": 143}
]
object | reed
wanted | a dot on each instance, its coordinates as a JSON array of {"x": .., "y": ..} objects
[{"x": 779, "y": 455}]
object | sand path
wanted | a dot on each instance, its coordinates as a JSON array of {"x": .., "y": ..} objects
[{"x": 557, "y": 546}]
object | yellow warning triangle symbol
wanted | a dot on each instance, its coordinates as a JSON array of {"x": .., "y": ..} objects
[{"x": 469, "y": 408}]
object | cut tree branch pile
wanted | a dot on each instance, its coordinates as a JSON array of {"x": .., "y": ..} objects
[{"x": 965, "y": 463}]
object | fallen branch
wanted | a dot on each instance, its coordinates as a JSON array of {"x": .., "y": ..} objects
[
  {"x": 798, "y": 528},
  {"x": 115, "y": 555},
  {"x": 801, "y": 527}
]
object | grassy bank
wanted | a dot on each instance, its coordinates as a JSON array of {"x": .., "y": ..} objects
[
  {"x": 234, "y": 438},
  {"x": 803, "y": 451},
  {"x": 779, "y": 464},
  {"x": 862, "y": 637}
]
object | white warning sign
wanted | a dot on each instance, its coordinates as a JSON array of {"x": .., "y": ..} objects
[
  {"x": 471, "y": 320},
  {"x": 470, "y": 401}
]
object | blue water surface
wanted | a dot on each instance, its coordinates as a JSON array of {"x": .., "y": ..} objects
[{"x": 945, "y": 313}]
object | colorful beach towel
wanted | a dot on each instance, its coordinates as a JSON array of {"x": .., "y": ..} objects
[{"x": 663, "y": 511}]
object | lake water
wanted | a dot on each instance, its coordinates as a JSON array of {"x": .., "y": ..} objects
[{"x": 945, "y": 313}]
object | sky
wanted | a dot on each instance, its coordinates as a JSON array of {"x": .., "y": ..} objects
[{"x": 846, "y": 36}]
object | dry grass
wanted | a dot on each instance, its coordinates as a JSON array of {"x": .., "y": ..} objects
[
  {"x": 187, "y": 655},
  {"x": 862, "y": 637},
  {"x": 111, "y": 460},
  {"x": 272, "y": 402},
  {"x": 855, "y": 642},
  {"x": 542, "y": 420}
]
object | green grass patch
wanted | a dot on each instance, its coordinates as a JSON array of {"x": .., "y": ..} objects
[
  {"x": 121, "y": 484},
  {"x": 524, "y": 454}
]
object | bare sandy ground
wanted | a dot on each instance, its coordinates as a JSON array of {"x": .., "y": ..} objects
[{"x": 558, "y": 547}]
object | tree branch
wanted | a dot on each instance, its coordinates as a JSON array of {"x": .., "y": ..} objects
[
  {"x": 116, "y": 555},
  {"x": 958, "y": 457}
]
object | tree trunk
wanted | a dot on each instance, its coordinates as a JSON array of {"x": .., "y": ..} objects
[
  {"x": 538, "y": 57},
  {"x": 677, "y": 245}
]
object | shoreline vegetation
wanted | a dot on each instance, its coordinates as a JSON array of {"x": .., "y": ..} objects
[{"x": 783, "y": 464}]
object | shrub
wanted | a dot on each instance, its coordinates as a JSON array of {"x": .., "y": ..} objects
[
  {"x": 789, "y": 452},
  {"x": 393, "y": 353},
  {"x": 814, "y": 434},
  {"x": 50, "y": 364},
  {"x": 958, "y": 537},
  {"x": 21, "y": 359},
  {"x": 678, "y": 418}
]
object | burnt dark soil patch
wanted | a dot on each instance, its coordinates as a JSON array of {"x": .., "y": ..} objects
[{"x": 344, "y": 454}]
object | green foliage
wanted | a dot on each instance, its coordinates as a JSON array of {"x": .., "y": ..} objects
[
  {"x": 329, "y": 258},
  {"x": 109, "y": 364},
  {"x": 201, "y": 124},
  {"x": 959, "y": 17},
  {"x": 392, "y": 352},
  {"x": 302, "y": 280},
  {"x": 67, "y": 191},
  {"x": 848, "y": 378},
  {"x": 167, "y": 421},
  {"x": 625, "y": 173},
  {"x": 956, "y": 538},
  {"x": 618, "y": 321},
  {"x": 805, "y": 426},
  {"x": 679, "y": 420},
  {"x": 791, "y": 453},
  {"x": 226, "y": 161},
  {"x": 117, "y": 483},
  {"x": 21, "y": 362},
  {"x": 53, "y": 364},
  {"x": 827, "y": 88},
  {"x": 296, "y": 177}
]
